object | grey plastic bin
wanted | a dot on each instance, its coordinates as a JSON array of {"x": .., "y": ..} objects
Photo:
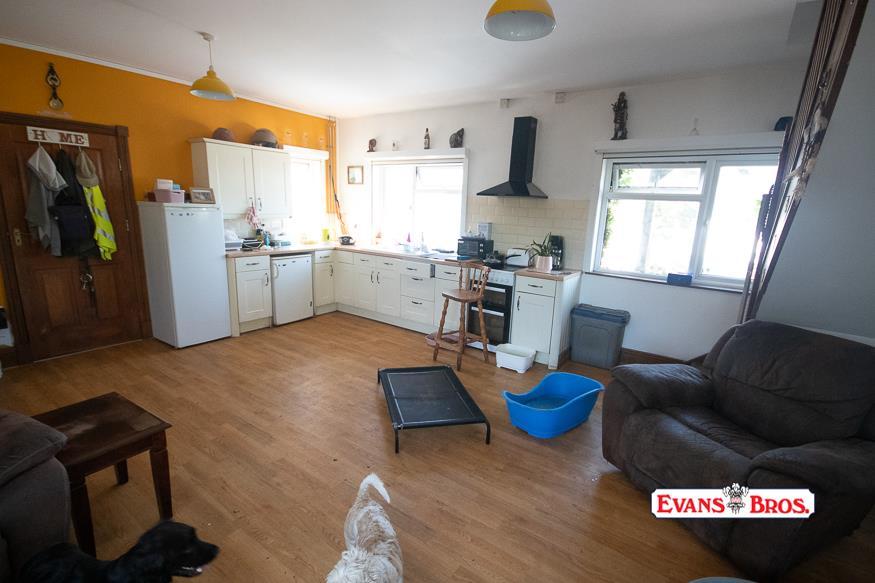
[{"x": 597, "y": 335}]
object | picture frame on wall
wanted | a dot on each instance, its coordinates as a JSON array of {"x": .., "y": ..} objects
[
  {"x": 355, "y": 174},
  {"x": 199, "y": 195}
]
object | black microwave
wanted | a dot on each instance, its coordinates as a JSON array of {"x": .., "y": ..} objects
[{"x": 474, "y": 247}]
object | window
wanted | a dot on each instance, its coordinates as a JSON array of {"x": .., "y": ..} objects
[
  {"x": 419, "y": 201},
  {"x": 307, "y": 187},
  {"x": 696, "y": 215}
]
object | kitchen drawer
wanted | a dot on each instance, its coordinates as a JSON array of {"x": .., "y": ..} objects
[
  {"x": 416, "y": 268},
  {"x": 417, "y": 286},
  {"x": 387, "y": 263},
  {"x": 324, "y": 256},
  {"x": 447, "y": 272},
  {"x": 343, "y": 256},
  {"x": 417, "y": 310},
  {"x": 363, "y": 260},
  {"x": 259, "y": 262},
  {"x": 535, "y": 285}
]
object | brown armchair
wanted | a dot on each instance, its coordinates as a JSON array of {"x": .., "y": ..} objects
[{"x": 773, "y": 406}]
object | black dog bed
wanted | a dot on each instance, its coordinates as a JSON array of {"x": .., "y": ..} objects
[{"x": 428, "y": 396}]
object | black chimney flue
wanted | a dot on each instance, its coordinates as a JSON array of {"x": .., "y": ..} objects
[{"x": 522, "y": 162}]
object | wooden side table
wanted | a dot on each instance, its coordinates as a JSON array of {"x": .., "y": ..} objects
[{"x": 106, "y": 431}]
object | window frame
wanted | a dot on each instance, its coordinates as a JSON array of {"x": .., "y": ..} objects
[
  {"x": 396, "y": 158},
  {"x": 711, "y": 162}
]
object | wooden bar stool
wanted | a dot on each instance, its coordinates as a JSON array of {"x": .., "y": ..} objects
[{"x": 472, "y": 285}]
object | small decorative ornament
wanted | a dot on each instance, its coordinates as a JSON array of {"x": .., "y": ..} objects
[
  {"x": 621, "y": 116},
  {"x": 53, "y": 80},
  {"x": 457, "y": 138},
  {"x": 427, "y": 140},
  {"x": 372, "y": 145}
]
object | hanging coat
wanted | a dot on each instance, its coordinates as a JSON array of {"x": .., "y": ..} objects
[
  {"x": 71, "y": 212},
  {"x": 104, "y": 234},
  {"x": 45, "y": 183}
]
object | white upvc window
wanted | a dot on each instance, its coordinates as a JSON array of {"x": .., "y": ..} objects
[
  {"x": 419, "y": 200},
  {"x": 692, "y": 214},
  {"x": 307, "y": 186}
]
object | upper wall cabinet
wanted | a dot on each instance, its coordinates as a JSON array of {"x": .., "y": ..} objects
[{"x": 242, "y": 175}]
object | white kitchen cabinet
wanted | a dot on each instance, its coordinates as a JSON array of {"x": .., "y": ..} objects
[
  {"x": 271, "y": 176},
  {"x": 323, "y": 284},
  {"x": 365, "y": 289},
  {"x": 442, "y": 285},
  {"x": 532, "y": 321},
  {"x": 344, "y": 283},
  {"x": 242, "y": 175},
  {"x": 227, "y": 169},
  {"x": 388, "y": 291},
  {"x": 254, "y": 298}
]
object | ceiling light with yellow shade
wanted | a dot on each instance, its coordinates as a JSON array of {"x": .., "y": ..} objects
[
  {"x": 519, "y": 20},
  {"x": 210, "y": 86}
]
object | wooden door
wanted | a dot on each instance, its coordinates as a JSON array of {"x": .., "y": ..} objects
[
  {"x": 532, "y": 321},
  {"x": 272, "y": 173},
  {"x": 254, "y": 297},
  {"x": 56, "y": 313}
]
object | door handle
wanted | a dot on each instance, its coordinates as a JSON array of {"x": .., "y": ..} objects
[
  {"x": 16, "y": 236},
  {"x": 517, "y": 303},
  {"x": 331, "y": 270},
  {"x": 415, "y": 302},
  {"x": 535, "y": 286},
  {"x": 260, "y": 206},
  {"x": 372, "y": 277},
  {"x": 416, "y": 278},
  {"x": 267, "y": 279},
  {"x": 378, "y": 278}
]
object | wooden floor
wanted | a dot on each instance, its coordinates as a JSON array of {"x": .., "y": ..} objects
[{"x": 274, "y": 430}]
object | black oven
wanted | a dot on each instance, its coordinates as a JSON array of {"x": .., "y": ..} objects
[{"x": 497, "y": 303}]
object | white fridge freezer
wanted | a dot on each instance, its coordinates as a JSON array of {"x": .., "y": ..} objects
[
  {"x": 184, "y": 250},
  {"x": 292, "y": 288}
]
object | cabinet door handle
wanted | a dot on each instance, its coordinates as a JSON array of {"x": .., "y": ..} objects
[
  {"x": 536, "y": 286},
  {"x": 415, "y": 302},
  {"x": 372, "y": 277},
  {"x": 331, "y": 270},
  {"x": 416, "y": 278},
  {"x": 388, "y": 263},
  {"x": 252, "y": 264},
  {"x": 267, "y": 279},
  {"x": 260, "y": 206},
  {"x": 517, "y": 303},
  {"x": 411, "y": 269},
  {"x": 378, "y": 278}
]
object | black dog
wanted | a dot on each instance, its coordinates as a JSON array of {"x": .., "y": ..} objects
[{"x": 168, "y": 550}]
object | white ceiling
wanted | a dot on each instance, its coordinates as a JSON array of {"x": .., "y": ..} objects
[{"x": 352, "y": 57}]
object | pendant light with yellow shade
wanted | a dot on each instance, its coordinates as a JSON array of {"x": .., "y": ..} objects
[
  {"x": 210, "y": 86},
  {"x": 519, "y": 20}
]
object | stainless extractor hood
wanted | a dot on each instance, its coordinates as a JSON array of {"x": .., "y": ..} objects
[{"x": 522, "y": 162}]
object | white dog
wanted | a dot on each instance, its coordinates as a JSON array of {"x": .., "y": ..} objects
[{"x": 372, "y": 553}]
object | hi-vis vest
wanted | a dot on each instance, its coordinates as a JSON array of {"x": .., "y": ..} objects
[{"x": 104, "y": 234}]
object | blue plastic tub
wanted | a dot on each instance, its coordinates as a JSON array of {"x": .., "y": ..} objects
[{"x": 559, "y": 403}]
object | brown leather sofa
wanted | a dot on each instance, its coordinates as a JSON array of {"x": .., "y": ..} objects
[
  {"x": 772, "y": 406},
  {"x": 34, "y": 491}
]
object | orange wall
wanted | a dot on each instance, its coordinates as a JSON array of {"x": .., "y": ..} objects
[{"x": 161, "y": 115}]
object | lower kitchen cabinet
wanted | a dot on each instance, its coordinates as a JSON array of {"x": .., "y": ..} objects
[
  {"x": 365, "y": 289},
  {"x": 417, "y": 310},
  {"x": 388, "y": 293},
  {"x": 532, "y": 321},
  {"x": 254, "y": 298},
  {"x": 323, "y": 284},
  {"x": 344, "y": 284}
]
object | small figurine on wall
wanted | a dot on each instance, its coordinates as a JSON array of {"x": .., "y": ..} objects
[
  {"x": 372, "y": 145},
  {"x": 621, "y": 116},
  {"x": 457, "y": 138},
  {"x": 427, "y": 140}
]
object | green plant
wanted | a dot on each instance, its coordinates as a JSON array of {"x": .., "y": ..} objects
[{"x": 542, "y": 249}]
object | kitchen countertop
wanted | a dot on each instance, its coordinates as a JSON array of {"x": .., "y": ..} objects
[{"x": 563, "y": 275}]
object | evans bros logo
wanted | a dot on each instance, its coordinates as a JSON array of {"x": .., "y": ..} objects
[{"x": 732, "y": 502}]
